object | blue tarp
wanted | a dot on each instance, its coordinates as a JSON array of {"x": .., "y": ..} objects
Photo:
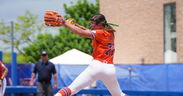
[
  {"x": 23, "y": 71},
  {"x": 157, "y": 77}
]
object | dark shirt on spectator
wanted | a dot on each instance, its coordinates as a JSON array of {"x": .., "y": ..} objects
[{"x": 44, "y": 71}]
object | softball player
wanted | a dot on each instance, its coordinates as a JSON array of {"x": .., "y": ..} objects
[
  {"x": 101, "y": 68},
  {"x": 3, "y": 73}
]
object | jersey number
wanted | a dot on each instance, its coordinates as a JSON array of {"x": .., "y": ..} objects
[{"x": 110, "y": 51}]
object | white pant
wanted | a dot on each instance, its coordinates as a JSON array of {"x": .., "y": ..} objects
[
  {"x": 97, "y": 71},
  {"x": 2, "y": 86}
]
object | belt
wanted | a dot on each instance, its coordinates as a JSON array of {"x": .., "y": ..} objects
[{"x": 44, "y": 82}]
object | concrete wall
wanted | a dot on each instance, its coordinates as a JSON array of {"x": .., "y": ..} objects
[{"x": 141, "y": 33}]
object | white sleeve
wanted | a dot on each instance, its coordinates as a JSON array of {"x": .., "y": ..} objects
[
  {"x": 3, "y": 65},
  {"x": 93, "y": 33}
]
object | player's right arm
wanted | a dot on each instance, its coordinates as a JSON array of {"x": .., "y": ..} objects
[
  {"x": 4, "y": 72},
  {"x": 33, "y": 76},
  {"x": 32, "y": 79}
]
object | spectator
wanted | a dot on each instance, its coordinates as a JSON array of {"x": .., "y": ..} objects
[
  {"x": 3, "y": 73},
  {"x": 44, "y": 69}
]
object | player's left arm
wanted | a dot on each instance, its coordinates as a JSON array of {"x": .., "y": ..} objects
[
  {"x": 55, "y": 81},
  {"x": 5, "y": 71},
  {"x": 55, "y": 77}
]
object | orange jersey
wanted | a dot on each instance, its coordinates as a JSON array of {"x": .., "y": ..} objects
[{"x": 103, "y": 46}]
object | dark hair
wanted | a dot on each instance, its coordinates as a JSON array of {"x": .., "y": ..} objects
[{"x": 100, "y": 18}]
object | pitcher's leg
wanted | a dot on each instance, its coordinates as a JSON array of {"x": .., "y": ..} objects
[
  {"x": 110, "y": 81},
  {"x": 4, "y": 86},
  {"x": 82, "y": 81},
  {"x": 113, "y": 87}
]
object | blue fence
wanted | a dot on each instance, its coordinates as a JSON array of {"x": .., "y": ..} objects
[
  {"x": 135, "y": 80},
  {"x": 157, "y": 77}
]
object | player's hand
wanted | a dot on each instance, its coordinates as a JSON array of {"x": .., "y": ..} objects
[
  {"x": 55, "y": 86},
  {"x": 53, "y": 19},
  {"x": 71, "y": 21},
  {"x": 31, "y": 83}
]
